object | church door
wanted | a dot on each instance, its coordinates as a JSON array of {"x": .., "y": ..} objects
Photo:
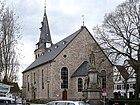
[{"x": 64, "y": 95}]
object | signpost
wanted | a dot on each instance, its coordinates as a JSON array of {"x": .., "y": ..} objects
[{"x": 104, "y": 95}]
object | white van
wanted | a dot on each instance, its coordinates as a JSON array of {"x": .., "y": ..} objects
[{"x": 6, "y": 100}]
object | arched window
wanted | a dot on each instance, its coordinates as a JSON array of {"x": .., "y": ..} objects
[
  {"x": 28, "y": 82},
  {"x": 103, "y": 75},
  {"x": 104, "y": 82},
  {"x": 42, "y": 79},
  {"x": 34, "y": 79},
  {"x": 80, "y": 84},
  {"x": 64, "y": 78}
]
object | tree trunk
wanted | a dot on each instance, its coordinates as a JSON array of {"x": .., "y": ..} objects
[{"x": 126, "y": 89}]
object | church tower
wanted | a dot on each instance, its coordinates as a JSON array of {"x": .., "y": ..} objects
[{"x": 45, "y": 36}]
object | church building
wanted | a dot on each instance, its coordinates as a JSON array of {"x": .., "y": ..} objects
[{"x": 60, "y": 70}]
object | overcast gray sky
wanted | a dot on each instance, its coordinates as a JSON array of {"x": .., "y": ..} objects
[{"x": 65, "y": 17}]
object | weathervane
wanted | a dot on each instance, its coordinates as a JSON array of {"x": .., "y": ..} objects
[{"x": 83, "y": 19}]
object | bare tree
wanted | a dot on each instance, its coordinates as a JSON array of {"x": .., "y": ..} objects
[
  {"x": 9, "y": 34},
  {"x": 119, "y": 35}
]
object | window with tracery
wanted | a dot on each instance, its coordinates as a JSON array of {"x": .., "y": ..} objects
[
  {"x": 80, "y": 84},
  {"x": 64, "y": 78}
]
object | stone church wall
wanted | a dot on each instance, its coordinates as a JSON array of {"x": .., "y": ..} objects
[
  {"x": 76, "y": 53},
  {"x": 71, "y": 57}
]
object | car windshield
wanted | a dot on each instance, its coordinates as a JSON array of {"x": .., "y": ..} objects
[
  {"x": 70, "y": 104},
  {"x": 82, "y": 103},
  {"x": 60, "y": 103}
]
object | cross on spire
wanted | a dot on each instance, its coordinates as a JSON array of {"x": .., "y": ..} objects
[
  {"x": 83, "y": 19},
  {"x": 45, "y": 6}
]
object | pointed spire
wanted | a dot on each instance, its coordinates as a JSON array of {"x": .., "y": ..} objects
[{"x": 45, "y": 36}]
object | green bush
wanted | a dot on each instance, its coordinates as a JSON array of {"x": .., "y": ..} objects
[
  {"x": 128, "y": 101},
  {"x": 133, "y": 102},
  {"x": 37, "y": 101}
]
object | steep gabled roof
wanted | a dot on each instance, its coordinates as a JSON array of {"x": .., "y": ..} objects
[
  {"x": 123, "y": 71},
  {"x": 53, "y": 51},
  {"x": 82, "y": 70}
]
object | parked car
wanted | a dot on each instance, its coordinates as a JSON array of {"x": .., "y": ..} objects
[
  {"x": 6, "y": 100},
  {"x": 67, "y": 103}
]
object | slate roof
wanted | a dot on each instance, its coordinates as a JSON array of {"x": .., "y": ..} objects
[
  {"x": 52, "y": 52},
  {"x": 82, "y": 70},
  {"x": 14, "y": 86},
  {"x": 123, "y": 71}
]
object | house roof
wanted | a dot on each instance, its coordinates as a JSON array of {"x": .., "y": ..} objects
[
  {"x": 123, "y": 71},
  {"x": 14, "y": 86},
  {"x": 53, "y": 51},
  {"x": 82, "y": 70}
]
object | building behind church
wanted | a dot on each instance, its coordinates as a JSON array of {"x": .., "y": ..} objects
[
  {"x": 59, "y": 70},
  {"x": 124, "y": 80}
]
